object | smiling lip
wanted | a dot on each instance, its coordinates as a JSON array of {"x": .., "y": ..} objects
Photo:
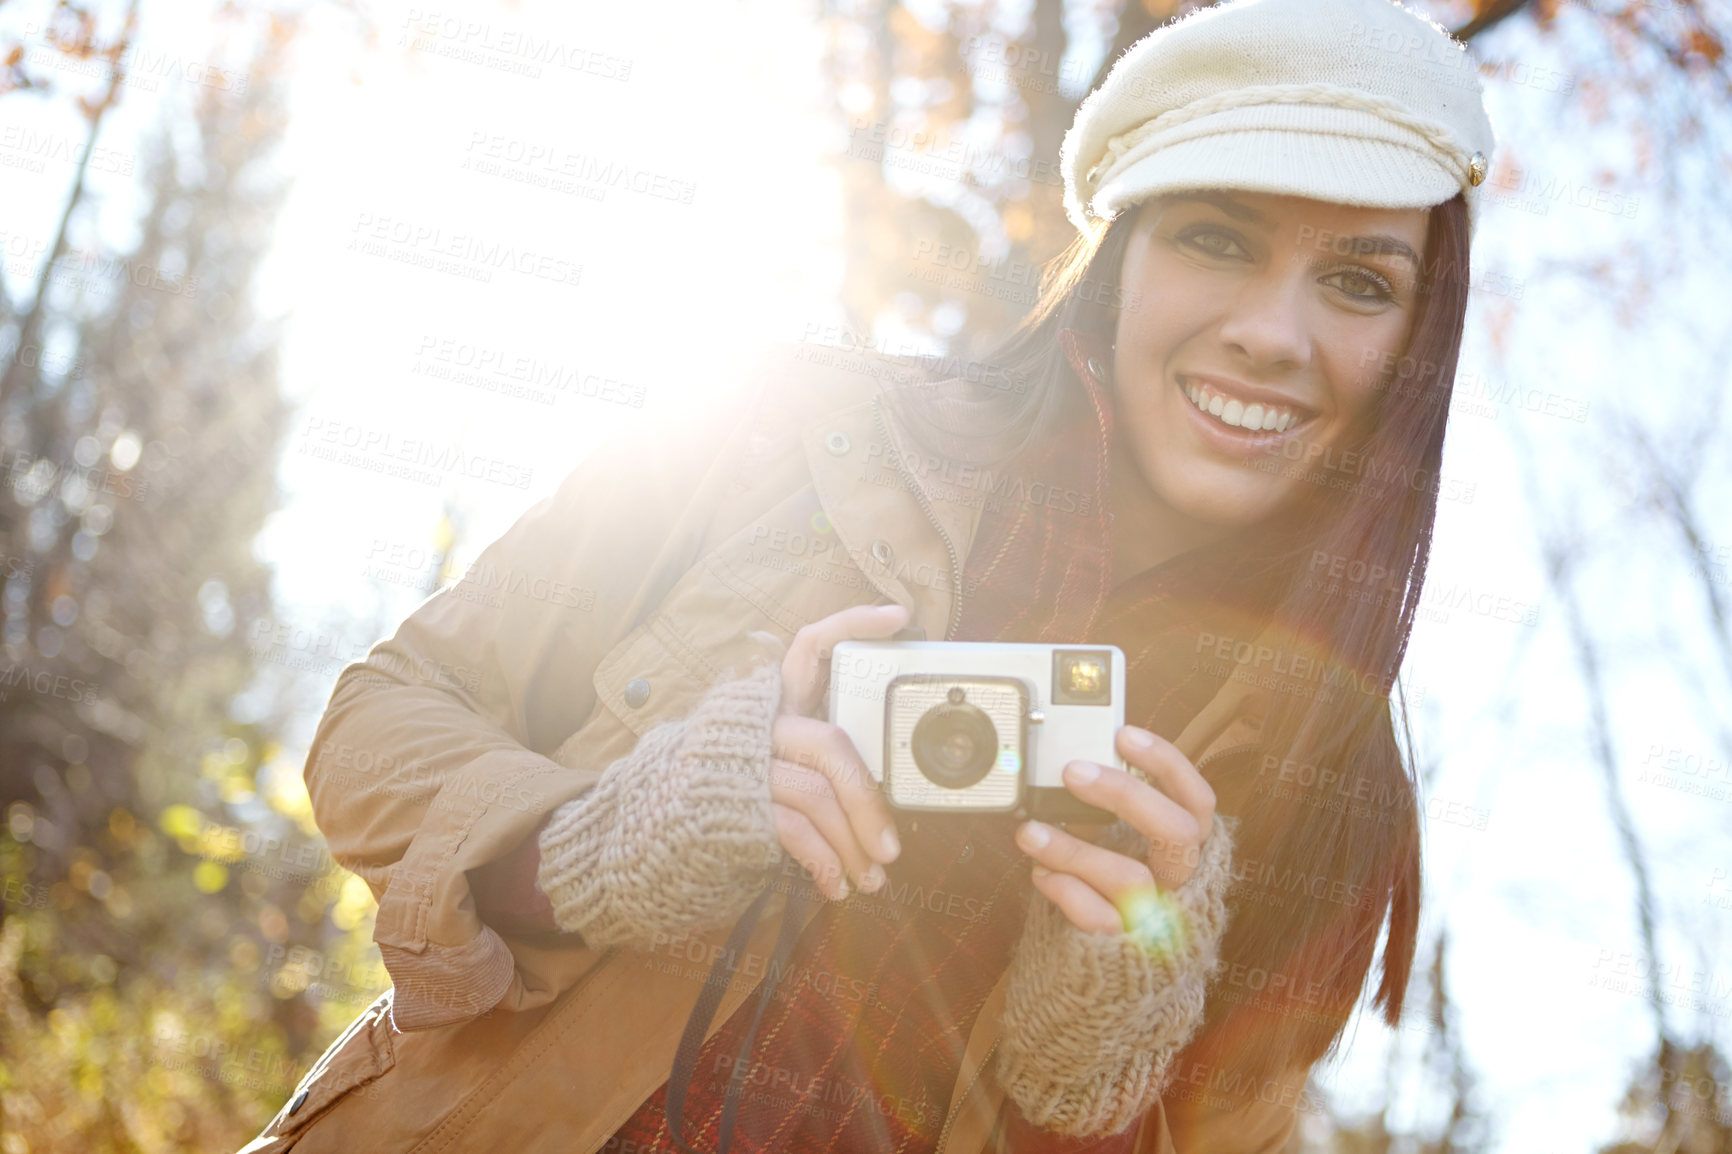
[
  {"x": 1233, "y": 440},
  {"x": 1247, "y": 394}
]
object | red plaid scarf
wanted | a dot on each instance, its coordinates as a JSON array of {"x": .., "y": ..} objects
[{"x": 859, "y": 1049}]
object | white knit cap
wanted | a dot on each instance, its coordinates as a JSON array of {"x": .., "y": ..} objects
[{"x": 1354, "y": 101}]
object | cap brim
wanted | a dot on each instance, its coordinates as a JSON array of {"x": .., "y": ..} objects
[{"x": 1342, "y": 169}]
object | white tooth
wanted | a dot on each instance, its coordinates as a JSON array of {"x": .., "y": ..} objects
[
  {"x": 1253, "y": 418},
  {"x": 1285, "y": 423},
  {"x": 1193, "y": 392},
  {"x": 1216, "y": 404},
  {"x": 1231, "y": 411},
  {"x": 1271, "y": 418}
]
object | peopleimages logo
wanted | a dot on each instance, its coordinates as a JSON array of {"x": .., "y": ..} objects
[
  {"x": 945, "y": 157},
  {"x": 46, "y": 683},
  {"x": 464, "y": 254},
  {"x": 492, "y": 154},
  {"x": 512, "y": 372},
  {"x": 383, "y": 451},
  {"x": 953, "y": 477},
  {"x": 930, "y": 366},
  {"x": 522, "y": 51},
  {"x": 62, "y": 149}
]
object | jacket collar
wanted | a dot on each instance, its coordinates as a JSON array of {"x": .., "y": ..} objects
[
  {"x": 909, "y": 515},
  {"x": 866, "y": 482}
]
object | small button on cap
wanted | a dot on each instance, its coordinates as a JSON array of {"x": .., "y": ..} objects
[
  {"x": 300, "y": 1100},
  {"x": 838, "y": 444},
  {"x": 637, "y": 691}
]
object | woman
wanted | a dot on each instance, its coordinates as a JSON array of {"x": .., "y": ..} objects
[{"x": 1214, "y": 443}]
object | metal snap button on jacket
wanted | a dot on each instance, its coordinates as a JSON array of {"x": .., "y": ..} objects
[
  {"x": 637, "y": 692},
  {"x": 300, "y": 1100},
  {"x": 838, "y": 444},
  {"x": 881, "y": 551}
]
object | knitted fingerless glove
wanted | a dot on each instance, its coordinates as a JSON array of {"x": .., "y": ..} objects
[
  {"x": 676, "y": 837},
  {"x": 1091, "y": 1022}
]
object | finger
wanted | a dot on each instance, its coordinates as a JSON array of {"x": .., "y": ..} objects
[
  {"x": 1174, "y": 835},
  {"x": 1169, "y": 771},
  {"x": 803, "y": 842},
  {"x": 1111, "y": 874},
  {"x": 809, "y": 792},
  {"x": 804, "y": 669},
  {"x": 1143, "y": 806},
  {"x": 1077, "y": 900},
  {"x": 829, "y": 750}
]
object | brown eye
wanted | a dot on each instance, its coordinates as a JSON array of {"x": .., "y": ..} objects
[
  {"x": 1361, "y": 284},
  {"x": 1212, "y": 241}
]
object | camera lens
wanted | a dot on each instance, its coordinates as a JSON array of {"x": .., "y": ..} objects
[{"x": 954, "y": 743}]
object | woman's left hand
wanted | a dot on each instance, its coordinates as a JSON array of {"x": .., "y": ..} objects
[{"x": 1174, "y": 810}]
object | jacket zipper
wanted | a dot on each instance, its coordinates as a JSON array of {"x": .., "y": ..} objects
[
  {"x": 926, "y": 506},
  {"x": 962, "y": 1098}
]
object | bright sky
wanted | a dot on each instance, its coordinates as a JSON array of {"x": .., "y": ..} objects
[
  {"x": 448, "y": 152},
  {"x": 444, "y": 152}
]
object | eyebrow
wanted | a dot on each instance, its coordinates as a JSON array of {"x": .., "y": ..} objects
[
  {"x": 1380, "y": 245},
  {"x": 1225, "y": 203}
]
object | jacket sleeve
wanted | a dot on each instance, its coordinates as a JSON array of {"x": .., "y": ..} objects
[{"x": 431, "y": 757}]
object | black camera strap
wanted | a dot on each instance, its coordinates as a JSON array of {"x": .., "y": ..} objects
[{"x": 721, "y": 975}]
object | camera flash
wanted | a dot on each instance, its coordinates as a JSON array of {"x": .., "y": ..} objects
[
  {"x": 1085, "y": 676},
  {"x": 1082, "y": 677}
]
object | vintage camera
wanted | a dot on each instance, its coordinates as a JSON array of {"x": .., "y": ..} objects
[{"x": 980, "y": 727}]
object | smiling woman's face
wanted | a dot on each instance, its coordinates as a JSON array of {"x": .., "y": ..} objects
[{"x": 1255, "y": 320}]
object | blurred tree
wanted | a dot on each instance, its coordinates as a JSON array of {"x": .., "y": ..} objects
[
  {"x": 1678, "y": 1104},
  {"x": 1455, "y": 1122},
  {"x": 953, "y": 114},
  {"x": 167, "y": 904},
  {"x": 71, "y": 31}
]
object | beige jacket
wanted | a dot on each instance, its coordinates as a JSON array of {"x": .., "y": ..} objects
[{"x": 507, "y": 694}]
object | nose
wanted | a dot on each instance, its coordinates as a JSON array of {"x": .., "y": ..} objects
[{"x": 1265, "y": 323}]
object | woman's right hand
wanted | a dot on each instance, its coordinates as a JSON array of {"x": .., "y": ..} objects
[{"x": 830, "y": 814}]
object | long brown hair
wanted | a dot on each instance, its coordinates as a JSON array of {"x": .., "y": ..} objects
[{"x": 1373, "y": 506}]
